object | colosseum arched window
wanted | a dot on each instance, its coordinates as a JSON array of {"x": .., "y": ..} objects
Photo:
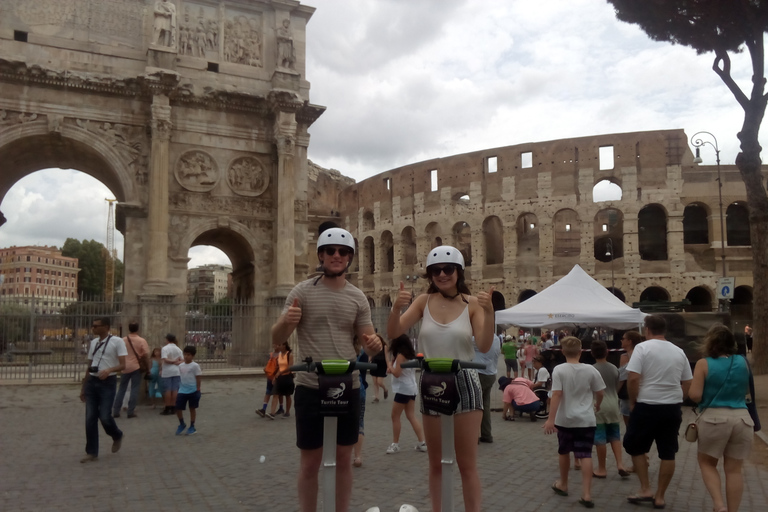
[
  {"x": 609, "y": 235},
  {"x": 408, "y": 236},
  {"x": 525, "y": 295},
  {"x": 652, "y": 233},
  {"x": 528, "y": 235},
  {"x": 434, "y": 234},
  {"x": 695, "y": 224},
  {"x": 654, "y": 294},
  {"x": 462, "y": 240},
  {"x": 493, "y": 237},
  {"x": 369, "y": 224},
  {"x": 356, "y": 257},
  {"x": 387, "y": 248},
  {"x": 700, "y": 299},
  {"x": 566, "y": 233},
  {"x": 737, "y": 225},
  {"x": 369, "y": 253},
  {"x": 606, "y": 190}
]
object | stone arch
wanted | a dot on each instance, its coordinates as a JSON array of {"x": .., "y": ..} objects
[
  {"x": 369, "y": 251},
  {"x": 371, "y": 302},
  {"x": 741, "y": 304},
  {"x": 356, "y": 258},
  {"x": 567, "y": 233},
  {"x": 238, "y": 243},
  {"x": 608, "y": 187},
  {"x": 609, "y": 234},
  {"x": 387, "y": 248},
  {"x": 617, "y": 293},
  {"x": 369, "y": 223},
  {"x": 701, "y": 299},
  {"x": 654, "y": 294},
  {"x": 386, "y": 301},
  {"x": 525, "y": 295},
  {"x": 434, "y": 234},
  {"x": 462, "y": 240},
  {"x": 696, "y": 224},
  {"x": 652, "y": 233},
  {"x": 528, "y": 235},
  {"x": 737, "y": 225},
  {"x": 408, "y": 236},
  {"x": 493, "y": 237}
]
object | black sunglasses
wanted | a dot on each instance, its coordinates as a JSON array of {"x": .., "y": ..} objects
[
  {"x": 343, "y": 251},
  {"x": 96, "y": 325},
  {"x": 448, "y": 270}
]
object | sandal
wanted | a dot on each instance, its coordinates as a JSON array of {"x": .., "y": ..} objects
[
  {"x": 587, "y": 503},
  {"x": 558, "y": 490}
]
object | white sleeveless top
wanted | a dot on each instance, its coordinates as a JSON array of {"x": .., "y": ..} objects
[
  {"x": 405, "y": 384},
  {"x": 453, "y": 339}
]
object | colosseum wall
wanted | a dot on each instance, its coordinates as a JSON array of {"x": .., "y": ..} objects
[{"x": 523, "y": 215}]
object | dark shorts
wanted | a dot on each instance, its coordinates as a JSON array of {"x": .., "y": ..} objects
[
  {"x": 531, "y": 407},
  {"x": 404, "y": 399},
  {"x": 183, "y": 398},
  {"x": 270, "y": 387},
  {"x": 649, "y": 423},
  {"x": 511, "y": 364},
  {"x": 381, "y": 368},
  {"x": 309, "y": 423},
  {"x": 578, "y": 440},
  {"x": 284, "y": 385}
]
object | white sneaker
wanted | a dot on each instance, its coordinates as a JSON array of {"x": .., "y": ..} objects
[
  {"x": 420, "y": 447},
  {"x": 393, "y": 448}
]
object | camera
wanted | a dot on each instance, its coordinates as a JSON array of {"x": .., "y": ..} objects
[{"x": 93, "y": 369}]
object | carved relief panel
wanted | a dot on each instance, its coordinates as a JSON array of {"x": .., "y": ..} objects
[
  {"x": 247, "y": 176},
  {"x": 199, "y": 31},
  {"x": 243, "y": 38},
  {"x": 196, "y": 171}
]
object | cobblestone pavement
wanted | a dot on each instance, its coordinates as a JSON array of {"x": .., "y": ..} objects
[{"x": 42, "y": 439}]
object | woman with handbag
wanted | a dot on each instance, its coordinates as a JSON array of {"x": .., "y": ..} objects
[{"x": 725, "y": 428}]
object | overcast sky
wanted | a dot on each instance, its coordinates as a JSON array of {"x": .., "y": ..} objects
[{"x": 408, "y": 80}]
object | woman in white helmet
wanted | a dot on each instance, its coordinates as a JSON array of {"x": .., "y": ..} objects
[{"x": 450, "y": 317}]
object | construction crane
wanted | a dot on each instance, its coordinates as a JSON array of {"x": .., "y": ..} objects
[{"x": 109, "y": 282}]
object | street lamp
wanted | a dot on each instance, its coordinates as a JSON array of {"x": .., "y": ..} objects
[
  {"x": 609, "y": 252},
  {"x": 412, "y": 279},
  {"x": 698, "y": 143}
]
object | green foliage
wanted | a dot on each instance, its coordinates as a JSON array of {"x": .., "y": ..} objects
[
  {"x": 91, "y": 257},
  {"x": 14, "y": 324},
  {"x": 704, "y": 25}
]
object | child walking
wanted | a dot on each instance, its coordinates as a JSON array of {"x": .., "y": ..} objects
[
  {"x": 404, "y": 388},
  {"x": 577, "y": 392},
  {"x": 609, "y": 416},
  {"x": 189, "y": 391},
  {"x": 155, "y": 390},
  {"x": 270, "y": 370}
]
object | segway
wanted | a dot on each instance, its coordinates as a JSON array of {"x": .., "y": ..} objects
[
  {"x": 439, "y": 394},
  {"x": 335, "y": 378}
]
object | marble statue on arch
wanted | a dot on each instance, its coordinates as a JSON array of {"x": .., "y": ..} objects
[{"x": 165, "y": 24}]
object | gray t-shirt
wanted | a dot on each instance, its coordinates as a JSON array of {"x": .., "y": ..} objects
[
  {"x": 329, "y": 320},
  {"x": 609, "y": 407}
]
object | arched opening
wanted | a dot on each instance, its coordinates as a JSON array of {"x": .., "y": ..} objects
[
  {"x": 386, "y": 301},
  {"x": 369, "y": 224},
  {"x": 408, "y": 236},
  {"x": 609, "y": 235},
  {"x": 652, "y": 233},
  {"x": 462, "y": 240},
  {"x": 700, "y": 300},
  {"x": 741, "y": 306},
  {"x": 434, "y": 234},
  {"x": 525, "y": 295},
  {"x": 493, "y": 237},
  {"x": 241, "y": 263},
  {"x": 606, "y": 190},
  {"x": 498, "y": 300},
  {"x": 567, "y": 233},
  {"x": 461, "y": 198},
  {"x": 387, "y": 248},
  {"x": 369, "y": 252},
  {"x": 695, "y": 224},
  {"x": 356, "y": 259},
  {"x": 528, "y": 235},
  {"x": 654, "y": 294},
  {"x": 617, "y": 293},
  {"x": 737, "y": 225}
]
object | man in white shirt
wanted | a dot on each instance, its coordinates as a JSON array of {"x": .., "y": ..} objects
[
  {"x": 106, "y": 357},
  {"x": 659, "y": 376}
]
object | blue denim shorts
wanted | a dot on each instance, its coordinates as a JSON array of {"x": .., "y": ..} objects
[{"x": 170, "y": 383}]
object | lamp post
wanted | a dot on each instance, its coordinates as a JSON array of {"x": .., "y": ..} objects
[
  {"x": 698, "y": 143},
  {"x": 609, "y": 252},
  {"x": 412, "y": 279}
]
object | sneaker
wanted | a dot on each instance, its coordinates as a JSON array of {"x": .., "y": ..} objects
[
  {"x": 280, "y": 410},
  {"x": 420, "y": 447},
  {"x": 270, "y": 415},
  {"x": 117, "y": 443},
  {"x": 191, "y": 431},
  {"x": 261, "y": 412},
  {"x": 133, "y": 415},
  {"x": 180, "y": 429},
  {"x": 287, "y": 415},
  {"x": 393, "y": 448},
  {"x": 89, "y": 458}
]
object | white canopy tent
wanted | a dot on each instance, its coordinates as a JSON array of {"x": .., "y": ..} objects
[{"x": 575, "y": 300}]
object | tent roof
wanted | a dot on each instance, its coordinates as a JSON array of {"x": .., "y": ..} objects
[{"x": 576, "y": 299}]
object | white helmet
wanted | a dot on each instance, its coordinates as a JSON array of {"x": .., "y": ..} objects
[
  {"x": 445, "y": 254},
  {"x": 336, "y": 236}
]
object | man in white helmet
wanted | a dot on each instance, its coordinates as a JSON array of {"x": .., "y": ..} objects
[{"x": 327, "y": 312}]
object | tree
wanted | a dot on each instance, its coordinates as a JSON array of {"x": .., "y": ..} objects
[
  {"x": 725, "y": 27},
  {"x": 91, "y": 260}
]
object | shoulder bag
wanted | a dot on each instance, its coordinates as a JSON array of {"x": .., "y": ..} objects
[
  {"x": 143, "y": 367},
  {"x": 692, "y": 430}
]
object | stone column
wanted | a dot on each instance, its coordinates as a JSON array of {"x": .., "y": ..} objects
[
  {"x": 285, "y": 246},
  {"x": 159, "y": 170}
]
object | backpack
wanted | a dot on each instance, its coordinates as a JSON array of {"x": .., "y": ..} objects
[{"x": 271, "y": 369}]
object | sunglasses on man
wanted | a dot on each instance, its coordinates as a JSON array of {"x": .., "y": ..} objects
[
  {"x": 343, "y": 251},
  {"x": 448, "y": 270}
]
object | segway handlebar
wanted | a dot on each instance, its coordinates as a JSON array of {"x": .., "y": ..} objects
[
  {"x": 331, "y": 366},
  {"x": 441, "y": 364}
]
